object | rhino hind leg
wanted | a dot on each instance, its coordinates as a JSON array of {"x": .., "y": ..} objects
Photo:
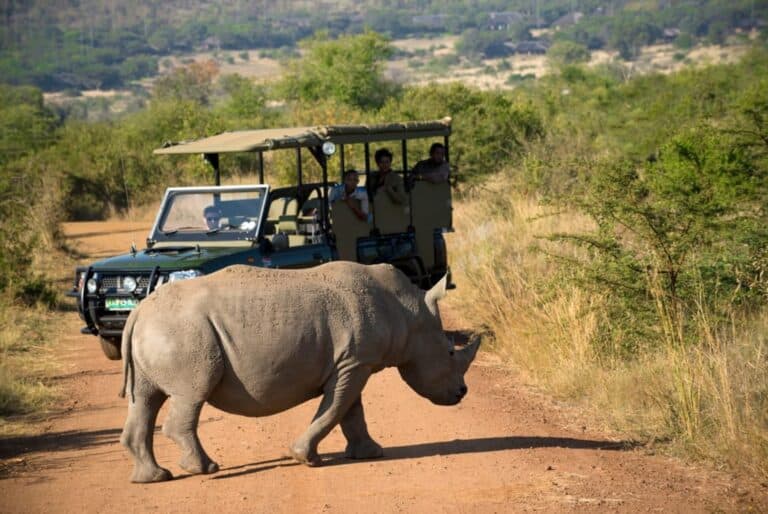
[
  {"x": 181, "y": 427},
  {"x": 138, "y": 434},
  {"x": 360, "y": 445},
  {"x": 340, "y": 394}
]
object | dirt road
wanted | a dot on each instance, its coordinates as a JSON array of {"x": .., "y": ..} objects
[{"x": 503, "y": 449}]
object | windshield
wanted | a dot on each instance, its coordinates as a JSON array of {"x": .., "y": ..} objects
[{"x": 210, "y": 214}]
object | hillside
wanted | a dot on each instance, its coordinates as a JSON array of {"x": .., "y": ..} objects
[{"x": 96, "y": 44}]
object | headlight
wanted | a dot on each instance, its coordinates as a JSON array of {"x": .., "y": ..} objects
[
  {"x": 92, "y": 285},
  {"x": 184, "y": 275},
  {"x": 129, "y": 284}
]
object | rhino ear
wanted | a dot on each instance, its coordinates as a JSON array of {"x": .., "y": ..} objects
[{"x": 436, "y": 293}]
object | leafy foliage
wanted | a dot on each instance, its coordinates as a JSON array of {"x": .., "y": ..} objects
[
  {"x": 683, "y": 228},
  {"x": 348, "y": 70}
]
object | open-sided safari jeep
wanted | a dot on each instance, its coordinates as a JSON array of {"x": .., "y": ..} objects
[{"x": 199, "y": 230}]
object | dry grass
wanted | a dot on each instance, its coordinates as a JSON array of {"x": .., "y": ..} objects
[
  {"x": 25, "y": 363},
  {"x": 707, "y": 400},
  {"x": 27, "y": 357}
]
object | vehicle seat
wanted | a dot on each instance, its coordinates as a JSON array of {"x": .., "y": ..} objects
[
  {"x": 296, "y": 240},
  {"x": 276, "y": 209},
  {"x": 291, "y": 207},
  {"x": 287, "y": 224},
  {"x": 280, "y": 241},
  {"x": 348, "y": 229}
]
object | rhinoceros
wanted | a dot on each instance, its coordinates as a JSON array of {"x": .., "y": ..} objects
[{"x": 255, "y": 342}]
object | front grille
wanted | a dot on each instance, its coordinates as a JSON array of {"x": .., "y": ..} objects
[{"x": 109, "y": 282}]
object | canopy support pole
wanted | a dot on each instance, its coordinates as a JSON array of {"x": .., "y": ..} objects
[
  {"x": 322, "y": 160},
  {"x": 213, "y": 160},
  {"x": 407, "y": 182},
  {"x": 298, "y": 166},
  {"x": 261, "y": 167}
]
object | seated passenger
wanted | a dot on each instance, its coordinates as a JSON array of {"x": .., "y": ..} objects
[
  {"x": 435, "y": 169},
  {"x": 386, "y": 179},
  {"x": 212, "y": 217},
  {"x": 355, "y": 198}
]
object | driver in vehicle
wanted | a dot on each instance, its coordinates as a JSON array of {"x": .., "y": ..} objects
[{"x": 212, "y": 217}]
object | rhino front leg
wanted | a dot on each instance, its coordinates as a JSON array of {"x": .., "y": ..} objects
[
  {"x": 360, "y": 445},
  {"x": 341, "y": 392},
  {"x": 181, "y": 426}
]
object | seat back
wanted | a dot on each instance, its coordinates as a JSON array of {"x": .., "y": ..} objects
[
  {"x": 348, "y": 228},
  {"x": 276, "y": 209},
  {"x": 432, "y": 204},
  {"x": 291, "y": 207},
  {"x": 431, "y": 211},
  {"x": 390, "y": 217},
  {"x": 287, "y": 224}
]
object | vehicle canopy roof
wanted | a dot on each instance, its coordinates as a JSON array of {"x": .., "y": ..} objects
[{"x": 306, "y": 137}]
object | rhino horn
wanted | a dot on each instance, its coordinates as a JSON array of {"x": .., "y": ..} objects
[
  {"x": 436, "y": 293},
  {"x": 467, "y": 354}
]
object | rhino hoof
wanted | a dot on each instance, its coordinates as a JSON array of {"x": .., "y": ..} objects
[
  {"x": 365, "y": 450},
  {"x": 152, "y": 475},
  {"x": 311, "y": 459},
  {"x": 195, "y": 467}
]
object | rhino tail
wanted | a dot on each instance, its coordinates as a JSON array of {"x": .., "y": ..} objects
[{"x": 128, "y": 354}]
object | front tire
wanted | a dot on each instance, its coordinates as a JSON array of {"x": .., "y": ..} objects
[{"x": 111, "y": 347}]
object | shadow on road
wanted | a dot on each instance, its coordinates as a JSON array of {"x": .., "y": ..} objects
[
  {"x": 487, "y": 444},
  {"x": 455, "y": 447},
  {"x": 58, "y": 441}
]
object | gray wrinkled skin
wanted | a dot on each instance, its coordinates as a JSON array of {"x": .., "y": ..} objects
[{"x": 254, "y": 342}]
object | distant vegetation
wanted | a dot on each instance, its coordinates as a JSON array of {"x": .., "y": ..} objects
[
  {"x": 639, "y": 284},
  {"x": 59, "y": 45},
  {"x": 613, "y": 229}
]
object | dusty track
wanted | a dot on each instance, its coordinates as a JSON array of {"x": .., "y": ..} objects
[{"x": 503, "y": 449}]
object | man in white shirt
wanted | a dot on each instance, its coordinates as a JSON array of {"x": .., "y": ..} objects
[{"x": 356, "y": 199}]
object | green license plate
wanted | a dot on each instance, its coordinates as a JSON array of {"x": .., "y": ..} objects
[{"x": 121, "y": 304}]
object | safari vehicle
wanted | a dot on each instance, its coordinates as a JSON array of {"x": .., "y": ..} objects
[{"x": 199, "y": 230}]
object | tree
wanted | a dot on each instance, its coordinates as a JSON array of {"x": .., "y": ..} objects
[
  {"x": 348, "y": 69},
  {"x": 246, "y": 99},
  {"x": 25, "y": 124},
  {"x": 193, "y": 82}
]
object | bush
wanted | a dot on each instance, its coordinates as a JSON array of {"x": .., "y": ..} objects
[
  {"x": 687, "y": 225},
  {"x": 348, "y": 70}
]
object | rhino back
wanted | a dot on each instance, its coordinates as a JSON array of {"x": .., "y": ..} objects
[{"x": 277, "y": 336}]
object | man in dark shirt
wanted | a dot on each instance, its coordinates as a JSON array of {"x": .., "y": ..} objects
[
  {"x": 386, "y": 179},
  {"x": 435, "y": 169}
]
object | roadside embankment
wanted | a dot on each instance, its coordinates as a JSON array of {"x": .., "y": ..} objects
[{"x": 696, "y": 386}]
